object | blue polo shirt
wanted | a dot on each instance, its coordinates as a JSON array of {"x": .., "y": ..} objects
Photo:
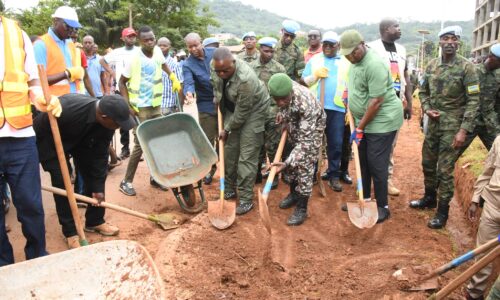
[
  {"x": 197, "y": 81},
  {"x": 41, "y": 54},
  {"x": 94, "y": 69}
]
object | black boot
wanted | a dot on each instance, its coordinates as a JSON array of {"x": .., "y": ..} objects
[
  {"x": 300, "y": 213},
  {"x": 427, "y": 201},
  {"x": 243, "y": 208},
  {"x": 439, "y": 220},
  {"x": 291, "y": 199}
]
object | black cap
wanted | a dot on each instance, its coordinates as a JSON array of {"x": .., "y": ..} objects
[{"x": 114, "y": 107}]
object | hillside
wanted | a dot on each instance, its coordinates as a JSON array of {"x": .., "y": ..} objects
[{"x": 237, "y": 18}]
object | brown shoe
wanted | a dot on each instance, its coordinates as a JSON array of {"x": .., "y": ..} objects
[
  {"x": 391, "y": 189},
  {"x": 73, "y": 242},
  {"x": 104, "y": 229}
]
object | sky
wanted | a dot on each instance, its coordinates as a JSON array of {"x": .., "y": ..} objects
[{"x": 331, "y": 13}]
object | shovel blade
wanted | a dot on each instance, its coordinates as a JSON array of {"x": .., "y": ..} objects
[
  {"x": 363, "y": 218},
  {"x": 168, "y": 221},
  {"x": 221, "y": 216},
  {"x": 410, "y": 277},
  {"x": 264, "y": 212}
]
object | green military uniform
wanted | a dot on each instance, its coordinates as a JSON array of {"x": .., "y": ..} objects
[
  {"x": 244, "y": 102},
  {"x": 497, "y": 104},
  {"x": 272, "y": 135},
  {"x": 453, "y": 90},
  {"x": 487, "y": 126},
  {"x": 291, "y": 58},
  {"x": 248, "y": 58}
]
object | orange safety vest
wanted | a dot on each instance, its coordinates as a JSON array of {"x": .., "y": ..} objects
[
  {"x": 15, "y": 106},
  {"x": 57, "y": 64}
]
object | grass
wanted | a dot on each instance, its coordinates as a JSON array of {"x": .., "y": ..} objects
[{"x": 475, "y": 155}]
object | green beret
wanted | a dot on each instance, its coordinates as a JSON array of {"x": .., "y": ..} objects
[{"x": 280, "y": 85}]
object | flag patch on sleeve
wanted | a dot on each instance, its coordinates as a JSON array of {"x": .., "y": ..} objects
[{"x": 473, "y": 89}]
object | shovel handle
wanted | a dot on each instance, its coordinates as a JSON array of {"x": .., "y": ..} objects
[
  {"x": 359, "y": 184},
  {"x": 277, "y": 158},
  {"x": 221, "y": 157},
  {"x": 62, "y": 158}
]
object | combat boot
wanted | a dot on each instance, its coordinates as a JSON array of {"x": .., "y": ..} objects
[
  {"x": 439, "y": 220},
  {"x": 427, "y": 201},
  {"x": 243, "y": 208},
  {"x": 291, "y": 199},
  {"x": 300, "y": 213}
]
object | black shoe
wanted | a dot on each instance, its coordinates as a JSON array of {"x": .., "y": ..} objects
[
  {"x": 229, "y": 195},
  {"x": 298, "y": 217},
  {"x": 346, "y": 178},
  {"x": 208, "y": 179},
  {"x": 157, "y": 185},
  {"x": 258, "y": 178},
  {"x": 334, "y": 184},
  {"x": 383, "y": 214},
  {"x": 243, "y": 208},
  {"x": 427, "y": 201},
  {"x": 325, "y": 176},
  {"x": 289, "y": 201},
  {"x": 124, "y": 154},
  {"x": 438, "y": 221},
  {"x": 344, "y": 207},
  {"x": 275, "y": 183}
]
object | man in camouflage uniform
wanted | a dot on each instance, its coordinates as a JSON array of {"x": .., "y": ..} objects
[
  {"x": 265, "y": 67},
  {"x": 250, "y": 52},
  {"x": 244, "y": 101},
  {"x": 304, "y": 118},
  {"x": 287, "y": 53},
  {"x": 487, "y": 126},
  {"x": 450, "y": 97}
]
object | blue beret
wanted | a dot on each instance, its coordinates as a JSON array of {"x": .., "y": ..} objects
[
  {"x": 495, "y": 50},
  {"x": 268, "y": 41},
  {"x": 209, "y": 41},
  {"x": 455, "y": 30},
  {"x": 248, "y": 34},
  {"x": 291, "y": 26},
  {"x": 331, "y": 37}
]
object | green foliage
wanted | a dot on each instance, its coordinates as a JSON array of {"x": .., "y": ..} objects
[
  {"x": 36, "y": 20},
  {"x": 232, "y": 42}
]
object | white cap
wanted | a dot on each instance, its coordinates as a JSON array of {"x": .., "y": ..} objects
[
  {"x": 181, "y": 53},
  {"x": 331, "y": 37},
  {"x": 68, "y": 14}
]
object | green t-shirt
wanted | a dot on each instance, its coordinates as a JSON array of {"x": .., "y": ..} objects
[{"x": 368, "y": 79}]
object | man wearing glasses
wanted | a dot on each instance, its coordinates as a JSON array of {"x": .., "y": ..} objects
[
  {"x": 314, "y": 41},
  {"x": 288, "y": 53},
  {"x": 58, "y": 53}
]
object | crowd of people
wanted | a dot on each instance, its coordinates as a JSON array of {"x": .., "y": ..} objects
[{"x": 261, "y": 92}]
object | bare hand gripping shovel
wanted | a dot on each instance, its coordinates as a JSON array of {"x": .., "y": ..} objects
[
  {"x": 363, "y": 214},
  {"x": 221, "y": 213},
  {"x": 263, "y": 208}
]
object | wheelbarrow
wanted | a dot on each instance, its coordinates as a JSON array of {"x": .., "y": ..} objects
[
  {"x": 108, "y": 270},
  {"x": 178, "y": 155}
]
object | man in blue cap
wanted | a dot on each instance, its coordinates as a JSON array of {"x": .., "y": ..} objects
[
  {"x": 288, "y": 53},
  {"x": 265, "y": 67},
  {"x": 210, "y": 42},
  {"x": 449, "y": 95},
  {"x": 250, "y": 52},
  {"x": 333, "y": 68}
]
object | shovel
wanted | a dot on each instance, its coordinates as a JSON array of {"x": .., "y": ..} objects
[
  {"x": 363, "y": 214},
  {"x": 263, "y": 209},
  {"x": 62, "y": 159},
  {"x": 322, "y": 190},
  {"x": 165, "y": 221},
  {"x": 221, "y": 213}
]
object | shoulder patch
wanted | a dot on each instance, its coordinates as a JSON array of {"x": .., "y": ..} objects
[{"x": 473, "y": 89}]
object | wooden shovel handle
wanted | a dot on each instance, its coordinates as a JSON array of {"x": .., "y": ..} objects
[
  {"x": 61, "y": 157},
  {"x": 221, "y": 156},
  {"x": 356, "y": 162},
  {"x": 277, "y": 158}
]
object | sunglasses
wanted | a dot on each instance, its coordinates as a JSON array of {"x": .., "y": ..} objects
[
  {"x": 330, "y": 45},
  {"x": 69, "y": 28}
]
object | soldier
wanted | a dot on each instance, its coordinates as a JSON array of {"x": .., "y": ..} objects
[
  {"x": 487, "y": 126},
  {"x": 288, "y": 54},
  {"x": 265, "y": 67},
  {"x": 303, "y": 115},
  {"x": 250, "y": 53},
  {"x": 244, "y": 101},
  {"x": 450, "y": 97}
]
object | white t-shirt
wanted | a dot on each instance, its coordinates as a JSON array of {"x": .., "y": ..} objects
[
  {"x": 119, "y": 58},
  {"x": 30, "y": 68}
]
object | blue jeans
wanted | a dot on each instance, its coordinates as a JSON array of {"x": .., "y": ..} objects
[
  {"x": 19, "y": 164},
  {"x": 334, "y": 131}
]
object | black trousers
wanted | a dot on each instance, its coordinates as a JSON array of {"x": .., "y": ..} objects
[
  {"x": 346, "y": 151},
  {"x": 94, "y": 216},
  {"x": 374, "y": 154}
]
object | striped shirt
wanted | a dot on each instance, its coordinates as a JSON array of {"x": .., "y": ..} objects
[{"x": 169, "y": 98}]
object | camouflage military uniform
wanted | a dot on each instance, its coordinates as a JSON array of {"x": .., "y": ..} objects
[
  {"x": 291, "y": 58},
  {"x": 248, "y": 58},
  {"x": 306, "y": 121},
  {"x": 453, "y": 90},
  {"x": 487, "y": 126},
  {"x": 244, "y": 102},
  {"x": 272, "y": 135}
]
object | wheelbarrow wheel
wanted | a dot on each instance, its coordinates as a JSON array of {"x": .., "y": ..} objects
[
  {"x": 188, "y": 201},
  {"x": 188, "y": 195}
]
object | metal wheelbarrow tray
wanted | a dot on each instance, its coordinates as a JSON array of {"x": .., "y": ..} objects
[
  {"x": 108, "y": 270},
  {"x": 178, "y": 154}
]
